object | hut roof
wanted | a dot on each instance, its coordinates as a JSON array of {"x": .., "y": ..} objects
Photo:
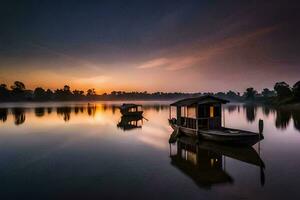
[{"x": 199, "y": 100}]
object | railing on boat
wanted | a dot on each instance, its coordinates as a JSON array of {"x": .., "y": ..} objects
[{"x": 203, "y": 122}]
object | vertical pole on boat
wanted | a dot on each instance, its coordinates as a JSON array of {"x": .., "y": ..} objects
[
  {"x": 261, "y": 128},
  {"x": 259, "y": 148},
  {"x": 223, "y": 116},
  {"x": 224, "y": 163},
  {"x": 197, "y": 121}
]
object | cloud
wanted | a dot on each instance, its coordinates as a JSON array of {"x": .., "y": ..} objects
[
  {"x": 154, "y": 63},
  {"x": 201, "y": 54},
  {"x": 93, "y": 80}
]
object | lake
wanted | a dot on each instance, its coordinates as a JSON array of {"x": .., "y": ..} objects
[{"x": 80, "y": 150}]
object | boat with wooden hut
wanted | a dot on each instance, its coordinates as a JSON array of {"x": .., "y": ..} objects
[
  {"x": 130, "y": 109},
  {"x": 202, "y": 117}
]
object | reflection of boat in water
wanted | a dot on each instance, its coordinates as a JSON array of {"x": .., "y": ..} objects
[
  {"x": 131, "y": 109},
  {"x": 201, "y": 117},
  {"x": 130, "y": 122},
  {"x": 204, "y": 162}
]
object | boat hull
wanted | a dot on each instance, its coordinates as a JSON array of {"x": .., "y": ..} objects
[
  {"x": 222, "y": 135},
  {"x": 231, "y": 139}
]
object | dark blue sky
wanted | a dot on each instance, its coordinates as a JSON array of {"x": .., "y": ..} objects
[{"x": 144, "y": 45}]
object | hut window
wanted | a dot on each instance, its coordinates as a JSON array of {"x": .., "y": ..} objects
[
  {"x": 191, "y": 112},
  {"x": 211, "y": 111},
  {"x": 183, "y": 111}
]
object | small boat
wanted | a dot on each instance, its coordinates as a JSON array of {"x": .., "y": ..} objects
[
  {"x": 201, "y": 117},
  {"x": 131, "y": 109}
]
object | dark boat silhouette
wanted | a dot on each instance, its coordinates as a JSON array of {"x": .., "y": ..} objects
[{"x": 131, "y": 109}]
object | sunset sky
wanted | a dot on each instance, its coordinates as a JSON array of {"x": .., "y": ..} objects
[{"x": 186, "y": 46}]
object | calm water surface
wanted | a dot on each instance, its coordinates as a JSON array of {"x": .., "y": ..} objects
[{"x": 87, "y": 151}]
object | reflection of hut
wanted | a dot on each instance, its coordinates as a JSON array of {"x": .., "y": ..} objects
[
  {"x": 204, "y": 161},
  {"x": 203, "y": 166},
  {"x": 130, "y": 122}
]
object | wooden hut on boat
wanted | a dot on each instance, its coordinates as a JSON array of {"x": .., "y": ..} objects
[
  {"x": 202, "y": 117},
  {"x": 131, "y": 109}
]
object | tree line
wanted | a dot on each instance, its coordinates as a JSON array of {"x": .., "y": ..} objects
[
  {"x": 282, "y": 93},
  {"x": 18, "y": 92}
]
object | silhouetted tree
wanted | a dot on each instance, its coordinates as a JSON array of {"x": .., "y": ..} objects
[
  {"x": 266, "y": 93},
  {"x": 4, "y": 92},
  {"x": 78, "y": 94},
  {"x": 296, "y": 90},
  {"x": 19, "y": 93},
  {"x": 67, "y": 91},
  {"x": 39, "y": 94},
  {"x": 91, "y": 92},
  {"x": 18, "y": 86},
  {"x": 283, "y": 90},
  {"x": 49, "y": 94},
  {"x": 64, "y": 94},
  {"x": 250, "y": 94},
  {"x": 18, "y": 89},
  {"x": 231, "y": 94}
]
